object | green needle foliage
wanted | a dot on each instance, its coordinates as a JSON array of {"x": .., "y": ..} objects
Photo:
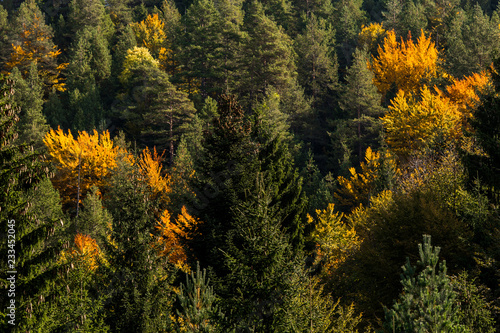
[{"x": 427, "y": 302}]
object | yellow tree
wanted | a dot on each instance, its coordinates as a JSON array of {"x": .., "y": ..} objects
[
  {"x": 413, "y": 123},
  {"x": 334, "y": 239},
  {"x": 32, "y": 42},
  {"x": 150, "y": 33},
  {"x": 371, "y": 36},
  {"x": 361, "y": 186},
  {"x": 465, "y": 93},
  {"x": 81, "y": 162},
  {"x": 172, "y": 237},
  {"x": 151, "y": 168},
  {"x": 405, "y": 65}
]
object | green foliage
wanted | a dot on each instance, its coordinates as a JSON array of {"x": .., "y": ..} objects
[
  {"x": 197, "y": 303},
  {"x": 29, "y": 97},
  {"x": 474, "y": 312},
  {"x": 36, "y": 226},
  {"x": 94, "y": 220},
  {"x": 139, "y": 287},
  {"x": 472, "y": 41},
  {"x": 427, "y": 302}
]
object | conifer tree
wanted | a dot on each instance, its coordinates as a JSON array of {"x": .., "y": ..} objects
[
  {"x": 29, "y": 97},
  {"x": 198, "y": 304},
  {"x": 139, "y": 282},
  {"x": 472, "y": 41},
  {"x": 201, "y": 49},
  {"x": 36, "y": 229},
  {"x": 427, "y": 302},
  {"x": 361, "y": 103}
]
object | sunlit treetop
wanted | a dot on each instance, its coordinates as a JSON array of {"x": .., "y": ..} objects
[{"x": 404, "y": 64}]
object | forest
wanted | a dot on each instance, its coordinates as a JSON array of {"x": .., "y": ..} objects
[{"x": 250, "y": 166}]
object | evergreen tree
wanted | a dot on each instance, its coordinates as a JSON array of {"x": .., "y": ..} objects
[
  {"x": 317, "y": 61},
  {"x": 269, "y": 61},
  {"x": 471, "y": 41},
  {"x": 197, "y": 302},
  {"x": 361, "y": 104},
  {"x": 234, "y": 153},
  {"x": 35, "y": 229},
  {"x": 201, "y": 49},
  {"x": 29, "y": 97},
  {"x": 348, "y": 19},
  {"x": 428, "y": 302},
  {"x": 139, "y": 282},
  {"x": 485, "y": 124},
  {"x": 90, "y": 13}
]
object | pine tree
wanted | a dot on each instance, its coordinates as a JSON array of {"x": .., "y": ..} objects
[
  {"x": 472, "y": 41},
  {"x": 201, "y": 49},
  {"x": 90, "y": 13},
  {"x": 198, "y": 304},
  {"x": 317, "y": 61},
  {"x": 428, "y": 302}
]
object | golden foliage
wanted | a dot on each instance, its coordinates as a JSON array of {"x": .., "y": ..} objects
[
  {"x": 360, "y": 187},
  {"x": 34, "y": 46},
  {"x": 412, "y": 124},
  {"x": 464, "y": 92},
  {"x": 335, "y": 240},
  {"x": 94, "y": 156},
  {"x": 172, "y": 234},
  {"x": 85, "y": 252},
  {"x": 151, "y": 168},
  {"x": 150, "y": 33},
  {"x": 407, "y": 65},
  {"x": 371, "y": 35}
]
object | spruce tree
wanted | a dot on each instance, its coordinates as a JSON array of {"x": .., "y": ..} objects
[
  {"x": 29, "y": 97},
  {"x": 361, "y": 104},
  {"x": 35, "y": 224},
  {"x": 139, "y": 288},
  {"x": 427, "y": 302}
]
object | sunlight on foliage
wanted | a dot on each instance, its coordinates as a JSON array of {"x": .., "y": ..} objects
[
  {"x": 407, "y": 65},
  {"x": 150, "y": 34},
  {"x": 334, "y": 239},
  {"x": 85, "y": 251},
  {"x": 415, "y": 122},
  {"x": 94, "y": 155},
  {"x": 172, "y": 235},
  {"x": 371, "y": 35},
  {"x": 136, "y": 57},
  {"x": 465, "y": 92},
  {"x": 361, "y": 186},
  {"x": 34, "y": 46},
  {"x": 151, "y": 167}
]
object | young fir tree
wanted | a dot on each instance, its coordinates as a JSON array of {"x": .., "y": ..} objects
[
  {"x": 139, "y": 288},
  {"x": 34, "y": 218},
  {"x": 428, "y": 301}
]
